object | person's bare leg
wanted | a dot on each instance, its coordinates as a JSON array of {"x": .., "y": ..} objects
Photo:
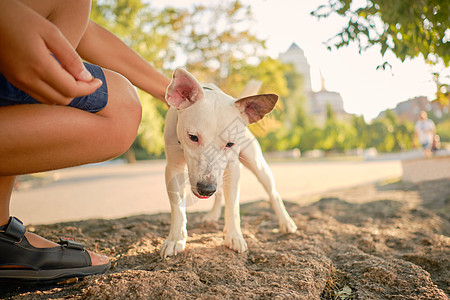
[
  {"x": 41, "y": 137},
  {"x": 6, "y": 186}
]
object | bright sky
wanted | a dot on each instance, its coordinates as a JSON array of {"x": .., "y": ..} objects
[{"x": 365, "y": 90}]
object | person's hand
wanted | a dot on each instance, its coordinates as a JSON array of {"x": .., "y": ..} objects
[{"x": 27, "y": 41}]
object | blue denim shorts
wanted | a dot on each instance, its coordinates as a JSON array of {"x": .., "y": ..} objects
[
  {"x": 10, "y": 95},
  {"x": 426, "y": 145}
]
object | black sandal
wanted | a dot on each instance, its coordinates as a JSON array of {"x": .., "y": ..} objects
[{"x": 22, "y": 262}]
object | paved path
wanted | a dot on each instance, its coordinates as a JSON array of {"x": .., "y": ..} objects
[{"x": 118, "y": 190}]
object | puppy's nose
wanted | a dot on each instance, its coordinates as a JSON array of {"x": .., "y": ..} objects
[{"x": 206, "y": 189}]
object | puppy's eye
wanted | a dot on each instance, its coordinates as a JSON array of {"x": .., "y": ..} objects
[
  {"x": 229, "y": 145},
  {"x": 193, "y": 138}
]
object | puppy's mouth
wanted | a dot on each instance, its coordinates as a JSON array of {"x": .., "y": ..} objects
[
  {"x": 201, "y": 197},
  {"x": 203, "y": 190}
]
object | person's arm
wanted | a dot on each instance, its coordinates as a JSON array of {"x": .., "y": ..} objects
[
  {"x": 101, "y": 47},
  {"x": 26, "y": 41}
]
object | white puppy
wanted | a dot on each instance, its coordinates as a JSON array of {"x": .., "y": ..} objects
[{"x": 206, "y": 130}]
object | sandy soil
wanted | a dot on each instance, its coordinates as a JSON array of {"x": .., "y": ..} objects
[{"x": 378, "y": 241}]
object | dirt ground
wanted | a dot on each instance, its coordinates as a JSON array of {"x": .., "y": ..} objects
[{"x": 377, "y": 241}]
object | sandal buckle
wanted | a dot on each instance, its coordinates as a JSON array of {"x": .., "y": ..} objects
[{"x": 70, "y": 244}]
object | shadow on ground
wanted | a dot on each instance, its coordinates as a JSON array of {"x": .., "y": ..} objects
[{"x": 378, "y": 241}]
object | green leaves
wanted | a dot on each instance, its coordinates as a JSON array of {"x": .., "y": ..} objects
[{"x": 407, "y": 28}]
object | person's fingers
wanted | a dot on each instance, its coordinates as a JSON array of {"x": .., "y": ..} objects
[
  {"x": 65, "y": 84},
  {"x": 67, "y": 74},
  {"x": 66, "y": 55},
  {"x": 44, "y": 93}
]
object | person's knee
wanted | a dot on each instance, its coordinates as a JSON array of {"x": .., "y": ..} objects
[
  {"x": 123, "y": 111},
  {"x": 132, "y": 117}
]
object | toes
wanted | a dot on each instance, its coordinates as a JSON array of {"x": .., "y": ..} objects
[
  {"x": 172, "y": 247},
  {"x": 98, "y": 259},
  {"x": 236, "y": 243},
  {"x": 288, "y": 226}
]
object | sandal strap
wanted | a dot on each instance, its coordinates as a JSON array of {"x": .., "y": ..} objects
[
  {"x": 14, "y": 231},
  {"x": 70, "y": 244}
]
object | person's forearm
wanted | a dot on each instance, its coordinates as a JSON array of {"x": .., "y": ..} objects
[{"x": 101, "y": 47}]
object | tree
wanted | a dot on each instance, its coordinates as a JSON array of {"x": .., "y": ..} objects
[
  {"x": 148, "y": 31},
  {"x": 216, "y": 40},
  {"x": 296, "y": 101},
  {"x": 294, "y": 117},
  {"x": 377, "y": 137},
  {"x": 443, "y": 130},
  {"x": 311, "y": 138},
  {"x": 362, "y": 131},
  {"x": 337, "y": 136},
  {"x": 388, "y": 133},
  {"x": 442, "y": 91},
  {"x": 407, "y": 28}
]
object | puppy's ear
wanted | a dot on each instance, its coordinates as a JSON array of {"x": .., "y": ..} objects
[
  {"x": 254, "y": 108},
  {"x": 184, "y": 90}
]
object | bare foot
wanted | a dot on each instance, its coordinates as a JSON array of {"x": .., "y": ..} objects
[{"x": 39, "y": 242}]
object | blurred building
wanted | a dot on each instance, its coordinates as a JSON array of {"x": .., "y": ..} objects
[
  {"x": 317, "y": 102},
  {"x": 410, "y": 109},
  {"x": 321, "y": 99},
  {"x": 295, "y": 56}
]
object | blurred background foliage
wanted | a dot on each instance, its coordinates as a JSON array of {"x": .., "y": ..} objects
[{"x": 216, "y": 44}]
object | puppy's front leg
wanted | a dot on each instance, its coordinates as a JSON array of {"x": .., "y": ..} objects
[
  {"x": 176, "y": 189},
  {"x": 253, "y": 159},
  {"x": 233, "y": 234}
]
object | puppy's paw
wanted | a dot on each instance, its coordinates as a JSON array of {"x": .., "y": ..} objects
[
  {"x": 236, "y": 242},
  {"x": 287, "y": 225},
  {"x": 172, "y": 247}
]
